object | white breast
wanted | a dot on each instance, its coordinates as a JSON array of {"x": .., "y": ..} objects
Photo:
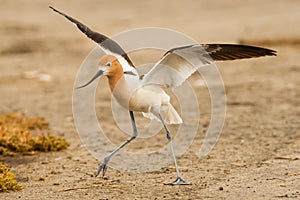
[{"x": 144, "y": 98}]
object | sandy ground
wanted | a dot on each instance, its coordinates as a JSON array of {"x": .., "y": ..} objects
[{"x": 257, "y": 155}]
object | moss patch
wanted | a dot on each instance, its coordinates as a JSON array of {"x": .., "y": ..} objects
[
  {"x": 24, "y": 135},
  {"x": 7, "y": 179},
  {"x": 27, "y": 135}
]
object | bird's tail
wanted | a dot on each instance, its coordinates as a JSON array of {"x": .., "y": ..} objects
[{"x": 172, "y": 117}]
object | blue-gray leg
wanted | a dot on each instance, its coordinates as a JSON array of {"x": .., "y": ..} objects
[
  {"x": 179, "y": 180},
  {"x": 103, "y": 166}
]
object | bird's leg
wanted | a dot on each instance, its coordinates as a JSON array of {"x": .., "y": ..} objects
[
  {"x": 103, "y": 166},
  {"x": 179, "y": 180}
]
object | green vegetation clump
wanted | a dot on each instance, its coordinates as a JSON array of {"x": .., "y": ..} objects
[
  {"x": 27, "y": 135},
  {"x": 7, "y": 180}
]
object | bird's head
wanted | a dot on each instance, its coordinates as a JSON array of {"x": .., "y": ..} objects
[{"x": 108, "y": 66}]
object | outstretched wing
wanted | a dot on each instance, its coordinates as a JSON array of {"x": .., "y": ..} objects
[
  {"x": 107, "y": 45},
  {"x": 179, "y": 63}
]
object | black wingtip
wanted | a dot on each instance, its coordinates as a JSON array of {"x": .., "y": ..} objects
[
  {"x": 221, "y": 52},
  {"x": 268, "y": 52},
  {"x": 66, "y": 16},
  {"x": 96, "y": 37},
  {"x": 256, "y": 51},
  {"x": 273, "y": 53},
  {"x": 59, "y": 12},
  {"x": 52, "y": 8}
]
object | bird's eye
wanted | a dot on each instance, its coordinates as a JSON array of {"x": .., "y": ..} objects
[{"x": 108, "y": 64}]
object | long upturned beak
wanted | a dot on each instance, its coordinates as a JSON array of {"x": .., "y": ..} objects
[{"x": 99, "y": 73}]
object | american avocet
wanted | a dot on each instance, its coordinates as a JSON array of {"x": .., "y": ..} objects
[{"x": 144, "y": 93}]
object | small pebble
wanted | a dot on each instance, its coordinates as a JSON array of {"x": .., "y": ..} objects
[
  {"x": 282, "y": 185},
  {"x": 45, "y": 78}
]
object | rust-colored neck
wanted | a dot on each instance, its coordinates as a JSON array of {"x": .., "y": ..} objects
[
  {"x": 114, "y": 80},
  {"x": 115, "y": 74}
]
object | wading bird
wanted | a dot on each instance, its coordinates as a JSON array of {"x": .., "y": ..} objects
[{"x": 145, "y": 93}]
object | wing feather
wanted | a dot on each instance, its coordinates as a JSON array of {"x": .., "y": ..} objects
[
  {"x": 178, "y": 64},
  {"x": 108, "y": 45}
]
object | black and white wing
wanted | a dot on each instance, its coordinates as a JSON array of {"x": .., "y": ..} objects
[
  {"x": 178, "y": 64},
  {"x": 108, "y": 45}
]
